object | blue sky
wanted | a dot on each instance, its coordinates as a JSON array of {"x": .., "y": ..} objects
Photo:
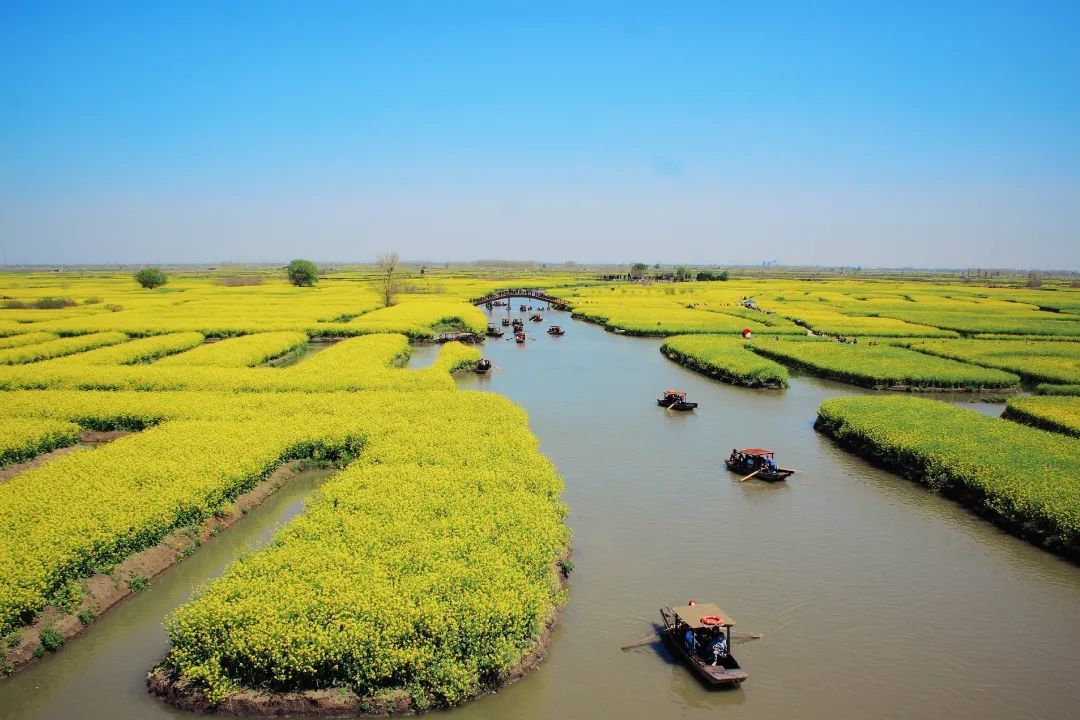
[{"x": 924, "y": 134}]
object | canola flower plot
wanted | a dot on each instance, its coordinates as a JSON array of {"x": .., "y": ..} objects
[
  {"x": 1052, "y": 362},
  {"x": 1058, "y": 414},
  {"x": 725, "y": 358},
  {"x": 1052, "y": 389},
  {"x": 61, "y": 520},
  {"x": 428, "y": 566},
  {"x": 669, "y": 319},
  {"x": 29, "y": 338},
  {"x": 828, "y": 322},
  {"x": 369, "y": 362},
  {"x": 244, "y": 351},
  {"x": 1025, "y": 478},
  {"x": 131, "y": 352},
  {"x": 418, "y": 318},
  {"x": 883, "y": 366},
  {"x": 23, "y": 438},
  {"x": 56, "y": 348}
]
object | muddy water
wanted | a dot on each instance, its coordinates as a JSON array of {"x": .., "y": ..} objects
[
  {"x": 101, "y": 674},
  {"x": 876, "y": 598}
]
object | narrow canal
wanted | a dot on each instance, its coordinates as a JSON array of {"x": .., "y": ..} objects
[{"x": 875, "y": 597}]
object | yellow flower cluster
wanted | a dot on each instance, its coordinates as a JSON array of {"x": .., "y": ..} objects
[
  {"x": 1060, "y": 414},
  {"x": 56, "y": 348},
  {"x": 1027, "y": 477},
  {"x": 725, "y": 357},
  {"x": 239, "y": 352},
  {"x": 22, "y": 438},
  {"x": 86, "y": 510},
  {"x": 427, "y": 563}
]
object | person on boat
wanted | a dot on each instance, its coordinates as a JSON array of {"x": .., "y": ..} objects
[
  {"x": 719, "y": 646},
  {"x": 691, "y": 641},
  {"x": 770, "y": 464}
]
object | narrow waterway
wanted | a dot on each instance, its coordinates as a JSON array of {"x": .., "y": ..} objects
[
  {"x": 101, "y": 674},
  {"x": 875, "y": 597}
]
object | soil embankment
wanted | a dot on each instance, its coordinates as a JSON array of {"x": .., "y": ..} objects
[{"x": 104, "y": 591}]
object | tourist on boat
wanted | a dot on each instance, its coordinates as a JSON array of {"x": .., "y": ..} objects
[
  {"x": 719, "y": 646},
  {"x": 770, "y": 464},
  {"x": 691, "y": 641}
]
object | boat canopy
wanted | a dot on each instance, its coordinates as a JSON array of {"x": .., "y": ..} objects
[
  {"x": 680, "y": 393},
  {"x": 756, "y": 451},
  {"x": 692, "y": 614}
]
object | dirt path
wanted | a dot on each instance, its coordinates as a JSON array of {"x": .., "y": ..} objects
[{"x": 87, "y": 439}]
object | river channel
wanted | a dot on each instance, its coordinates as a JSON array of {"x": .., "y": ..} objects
[{"x": 875, "y": 598}]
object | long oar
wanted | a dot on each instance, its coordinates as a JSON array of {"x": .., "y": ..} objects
[
  {"x": 642, "y": 641},
  {"x": 745, "y": 636},
  {"x": 751, "y": 475}
]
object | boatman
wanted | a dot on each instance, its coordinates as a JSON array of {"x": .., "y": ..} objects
[{"x": 718, "y": 647}]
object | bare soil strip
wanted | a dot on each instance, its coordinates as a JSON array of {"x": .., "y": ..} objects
[
  {"x": 87, "y": 439},
  {"x": 105, "y": 591}
]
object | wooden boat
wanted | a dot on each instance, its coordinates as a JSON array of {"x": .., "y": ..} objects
[
  {"x": 519, "y": 338},
  {"x": 522, "y": 308},
  {"x": 759, "y": 461},
  {"x": 483, "y": 366},
  {"x": 518, "y": 323},
  {"x": 676, "y": 400},
  {"x": 506, "y": 322},
  {"x": 493, "y": 331},
  {"x": 555, "y": 330},
  {"x": 536, "y": 317},
  {"x": 706, "y": 622}
]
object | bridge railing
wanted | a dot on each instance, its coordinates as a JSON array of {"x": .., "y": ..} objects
[{"x": 522, "y": 292}]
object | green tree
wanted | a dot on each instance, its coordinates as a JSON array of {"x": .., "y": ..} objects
[
  {"x": 303, "y": 273},
  {"x": 151, "y": 277},
  {"x": 682, "y": 274},
  {"x": 637, "y": 270}
]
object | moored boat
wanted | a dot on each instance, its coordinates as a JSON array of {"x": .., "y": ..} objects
[
  {"x": 675, "y": 400},
  {"x": 493, "y": 331},
  {"x": 483, "y": 366},
  {"x": 700, "y": 635},
  {"x": 758, "y": 462}
]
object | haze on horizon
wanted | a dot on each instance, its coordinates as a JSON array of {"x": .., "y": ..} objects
[{"x": 875, "y": 134}]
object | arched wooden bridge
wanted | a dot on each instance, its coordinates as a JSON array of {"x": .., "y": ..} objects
[{"x": 557, "y": 303}]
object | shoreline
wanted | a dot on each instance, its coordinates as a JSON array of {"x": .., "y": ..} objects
[
  {"x": 1027, "y": 529},
  {"x": 106, "y": 591},
  {"x": 342, "y": 702}
]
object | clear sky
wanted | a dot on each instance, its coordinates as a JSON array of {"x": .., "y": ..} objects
[{"x": 941, "y": 134}]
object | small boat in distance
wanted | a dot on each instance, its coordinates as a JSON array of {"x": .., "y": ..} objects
[
  {"x": 555, "y": 330},
  {"x": 483, "y": 366},
  {"x": 675, "y": 400},
  {"x": 506, "y": 322},
  {"x": 493, "y": 331},
  {"x": 700, "y": 634},
  {"x": 519, "y": 338},
  {"x": 758, "y": 462},
  {"x": 536, "y": 317}
]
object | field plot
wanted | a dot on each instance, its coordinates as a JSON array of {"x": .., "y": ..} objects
[
  {"x": 883, "y": 366},
  {"x": 1052, "y": 362},
  {"x": 726, "y": 358},
  {"x": 25, "y": 438},
  {"x": 55, "y": 348},
  {"x": 1025, "y": 478},
  {"x": 1059, "y": 414}
]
